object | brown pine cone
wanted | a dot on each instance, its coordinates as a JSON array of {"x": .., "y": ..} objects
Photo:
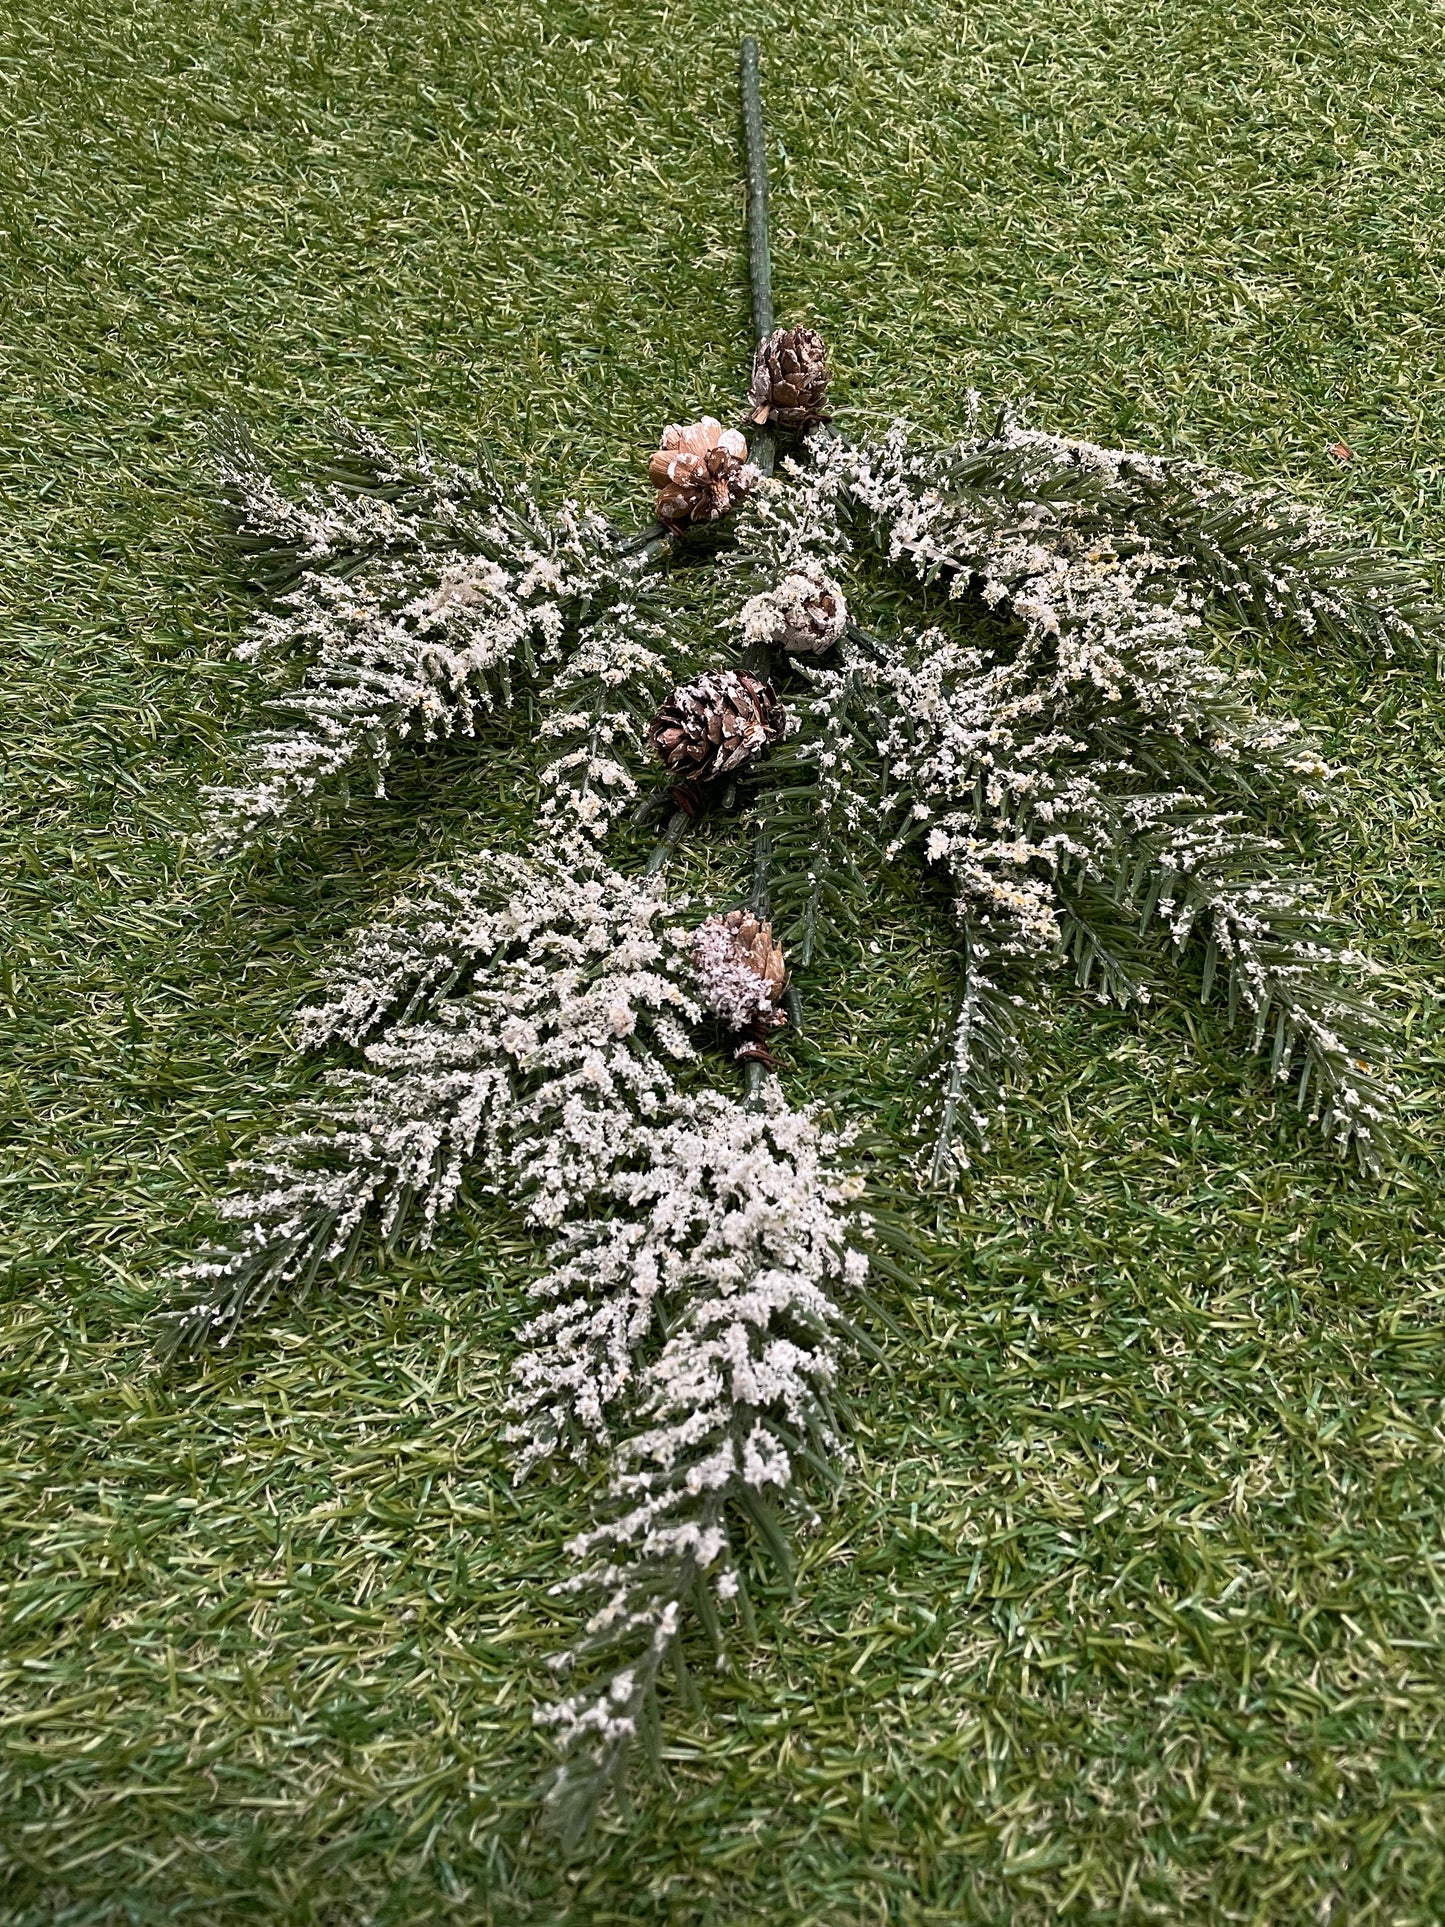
[
  {"x": 790, "y": 379},
  {"x": 741, "y": 977},
  {"x": 714, "y": 724},
  {"x": 699, "y": 472}
]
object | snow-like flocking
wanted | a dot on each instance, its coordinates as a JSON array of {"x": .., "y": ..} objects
[{"x": 1061, "y": 742}]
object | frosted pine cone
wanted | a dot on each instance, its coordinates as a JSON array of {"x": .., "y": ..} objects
[
  {"x": 699, "y": 472},
  {"x": 790, "y": 379},
  {"x": 806, "y": 613},
  {"x": 714, "y": 724},
  {"x": 740, "y": 975}
]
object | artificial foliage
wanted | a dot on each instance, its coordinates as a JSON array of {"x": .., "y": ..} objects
[{"x": 1055, "y": 743}]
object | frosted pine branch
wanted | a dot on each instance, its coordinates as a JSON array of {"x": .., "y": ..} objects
[
  {"x": 527, "y": 1024},
  {"x": 411, "y": 622},
  {"x": 747, "y": 1247},
  {"x": 1075, "y": 766},
  {"x": 1269, "y": 559},
  {"x": 596, "y": 710},
  {"x": 983, "y": 1045},
  {"x": 1091, "y": 741},
  {"x": 373, "y": 503},
  {"x": 567, "y": 1003}
]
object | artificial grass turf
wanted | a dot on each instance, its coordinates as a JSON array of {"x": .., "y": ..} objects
[{"x": 1130, "y": 1608}]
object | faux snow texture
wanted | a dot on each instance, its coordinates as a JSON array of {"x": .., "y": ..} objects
[
  {"x": 530, "y": 1026},
  {"x": 1059, "y": 743}
]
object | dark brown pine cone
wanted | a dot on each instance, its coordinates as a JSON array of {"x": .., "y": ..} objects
[
  {"x": 699, "y": 472},
  {"x": 790, "y": 379},
  {"x": 711, "y": 726}
]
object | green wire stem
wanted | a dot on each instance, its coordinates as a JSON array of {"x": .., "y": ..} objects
[
  {"x": 753, "y": 1071},
  {"x": 677, "y": 828},
  {"x": 760, "y": 265},
  {"x": 757, "y": 659},
  {"x": 760, "y": 260}
]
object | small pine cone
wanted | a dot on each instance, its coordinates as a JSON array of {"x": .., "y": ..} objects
[
  {"x": 699, "y": 472},
  {"x": 790, "y": 379},
  {"x": 806, "y": 613},
  {"x": 714, "y": 724},
  {"x": 740, "y": 974}
]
